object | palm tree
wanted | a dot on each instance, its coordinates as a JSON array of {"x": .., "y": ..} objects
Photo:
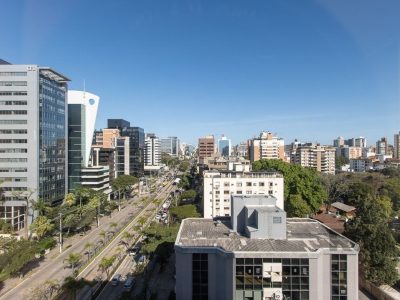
[
  {"x": 88, "y": 248},
  {"x": 106, "y": 263},
  {"x": 40, "y": 206},
  {"x": 103, "y": 234},
  {"x": 73, "y": 260}
]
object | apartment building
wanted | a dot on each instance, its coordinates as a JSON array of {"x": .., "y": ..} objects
[
  {"x": 261, "y": 254},
  {"x": 33, "y": 138},
  {"x": 349, "y": 152},
  {"x": 361, "y": 164},
  {"x": 321, "y": 158},
  {"x": 152, "y": 153},
  {"x": 220, "y": 185},
  {"x": 267, "y": 146},
  {"x": 382, "y": 146},
  {"x": 206, "y": 147}
]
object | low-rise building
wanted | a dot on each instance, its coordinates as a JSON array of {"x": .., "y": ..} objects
[
  {"x": 261, "y": 254},
  {"x": 220, "y": 185},
  {"x": 361, "y": 164},
  {"x": 96, "y": 178}
]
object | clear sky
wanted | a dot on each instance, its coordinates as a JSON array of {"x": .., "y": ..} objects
[{"x": 311, "y": 70}]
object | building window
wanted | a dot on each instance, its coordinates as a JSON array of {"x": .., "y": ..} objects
[
  {"x": 277, "y": 220},
  {"x": 339, "y": 276},
  {"x": 199, "y": 276},
  {"x": 226, "y": 192},
  {"x": 248, "y": 183},
  {"x": 261, "y": 184},
  {"x": 257, "y": 275},
  {"x": 238, "y": 184}
]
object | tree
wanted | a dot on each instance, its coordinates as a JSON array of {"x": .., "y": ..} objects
[
  {"x": 189, "y": 194},
  {"x": 297, "y": 180},
  {"x": 88, "y": 248},
  {"x": 377, "y": 245},
  {"x": 69, "y": 199},
  {"x": 123, "y": 183},
  {"x": 184, "y": 166},
  {"x": 40, "y": 206},
  {"x": 72, "y": 285},
  {"x": 5, "y": 227},
  {"x": 184, "y": 211},
  {"x": 41, "y": 226},
  {"x": 341, "y": 161},
  {"x": 297, "y": 207},
  {"x": 73, "y": 260},
  {"x": 106, "y": 263}
]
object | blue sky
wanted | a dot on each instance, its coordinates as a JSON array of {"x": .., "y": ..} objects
[{"x": 310, "y": 70}]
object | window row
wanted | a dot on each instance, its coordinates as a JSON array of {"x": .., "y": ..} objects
[
  {"x": 13, "y": 141},
  {"x": 13, "y": 150},
  {"x": 13, "y": 179},
  {"x": 10, "y": 93},
  {"x": 10, "y": 122},
  {"x": 13, "y": 112},
  {"x": 8, "y": 170},
  {"x": 14, "y": 102},
  {"x": 12, "y": 159},
  {"x": 13, "y": 131},
  {"x": 13, "y": 83},
  {"x": 13, "y": 73}
]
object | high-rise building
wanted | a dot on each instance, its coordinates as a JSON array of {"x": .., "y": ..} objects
[
  {"x": 122, "y": 156},
  {"x": 170, "y": 146},
  {"x": 82, "y": 112},
  {"x": 136, "y": 149},
  {"x": 152, "y": 156},
  {"x": 220, "y": 185},
  {"x": 206, "y": 147},
  {"x": 396, "y": 146},
  {"x": 261, "y": 254},
  {"x": 224, "y": 146},
  {"x": 382, "y": 146},
  {"x": 33, "y": 137},
  {"x": 349, "y": 152},
  {"x": 118, "y": 123},
  {"x": 321, "y": 158},
  {"x": 339, "y": 142},
  {"x": 267, "y": 146}
]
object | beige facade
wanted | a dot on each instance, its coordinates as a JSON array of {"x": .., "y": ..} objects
[
  {"x": 206, "y": 147},
  {"x": 267, "y": 146},
  {"x": 109, "y": 136},
  {"x": 321, "y": 158}
]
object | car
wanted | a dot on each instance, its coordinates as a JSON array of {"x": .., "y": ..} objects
[
  {"x": 116, "y": 279},
  {"x": 158, "y": 217},
  {"x": 134, "y": 250},
  {"x": 129, "y": 283}
]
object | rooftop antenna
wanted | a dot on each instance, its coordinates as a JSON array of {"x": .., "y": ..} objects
[{"x": 84, "y": 88}]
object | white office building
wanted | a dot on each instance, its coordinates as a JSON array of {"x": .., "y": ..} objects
[
  {"x": 220, "y": 185},
  {"x": 33, "y": 137},
  {"x": 152, "y": 153}
]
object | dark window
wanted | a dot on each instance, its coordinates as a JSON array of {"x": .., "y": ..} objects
[
  {"x": 339, "y": 276},
  {"x": 200, "y": 276}
]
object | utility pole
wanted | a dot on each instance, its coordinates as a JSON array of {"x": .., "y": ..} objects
[
  {"x": 119, "y": 200},
  {"x": 60, "y": 232},
  {"x": 98, "y": 218}
]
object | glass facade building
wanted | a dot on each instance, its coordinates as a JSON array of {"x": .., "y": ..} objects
[
  {"x": 76, "y": 144},
  {"x": 52, "y": 141},
  {"x": 136, "y": 149},
  {"x": 33, "y": 138}
]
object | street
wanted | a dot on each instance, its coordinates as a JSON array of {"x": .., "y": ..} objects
[{"x": 53, "y": 266}]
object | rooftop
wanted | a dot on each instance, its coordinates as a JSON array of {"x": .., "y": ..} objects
[
  {"x": 241, "y": 174},
  {"x": 343, "y": 207},
  {"x": 303, "y": 235}
]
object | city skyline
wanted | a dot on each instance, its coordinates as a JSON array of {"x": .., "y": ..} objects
[{"x": 311, "y": 71}]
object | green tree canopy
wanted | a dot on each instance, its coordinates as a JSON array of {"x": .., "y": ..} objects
[
  {"x": 378, "y": 250},
  {"x": 297, "y": 207},
  {"x": 300, "y": 181},
  {"x": 184, "y": 211},
  {"x": 41, "y": 226}
]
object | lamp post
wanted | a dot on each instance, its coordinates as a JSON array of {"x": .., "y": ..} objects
[{"x": 61, "y": 241}]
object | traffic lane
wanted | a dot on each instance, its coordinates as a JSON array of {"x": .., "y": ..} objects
[{"x": 54, "y": 269}]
